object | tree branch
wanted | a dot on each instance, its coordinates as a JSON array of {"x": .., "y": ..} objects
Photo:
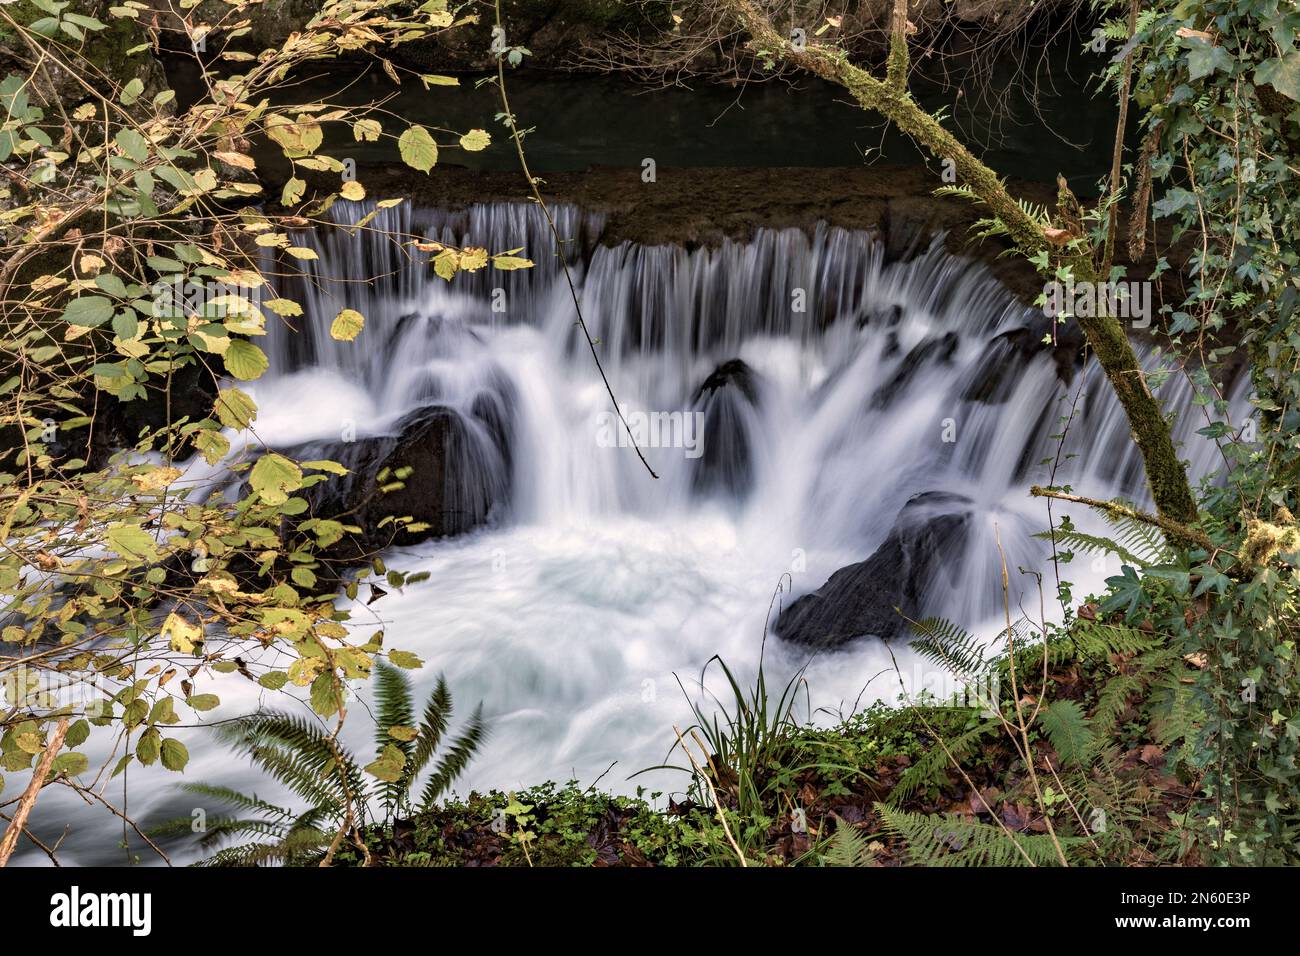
[
  {"x": 1170, "y": 528},
  {"x": 898, "y": 58},
  {"x": 1166, "y": 474},
  {"x": 19, "y": 822}
]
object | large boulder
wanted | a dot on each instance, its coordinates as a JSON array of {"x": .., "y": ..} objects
[
  {"x": 727, "y": 399},
  {"x": 454, "y": 469},
  {"x": 904, "y": 572}
]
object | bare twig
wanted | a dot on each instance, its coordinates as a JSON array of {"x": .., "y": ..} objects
[{"x": 19, "y": 823}]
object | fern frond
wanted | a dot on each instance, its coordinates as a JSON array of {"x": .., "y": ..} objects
[
  {"x": 931, "y": 768},
  {"x": 433, "y": 724},
  {"x": 1144, "y": 540},
  {"x": 454, "y": 761},
  {"x": 1091, "y": 544},
  {"x": 297, "y": 752},
  {"x": 393, "y": 708},
  {"x": 848, "y": 847},
  {"x": 1068, "y": 730},
  {"x": 956, "y": 649},
  {"x": 946, "y": 840},
  {"x": 235, "y": 798}
]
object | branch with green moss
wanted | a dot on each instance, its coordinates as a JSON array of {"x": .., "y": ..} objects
[{"x": 1166, "y": 473}]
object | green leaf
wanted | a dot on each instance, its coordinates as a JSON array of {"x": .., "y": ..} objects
[
  {"x": 71, "y": 763},
  {"x": 203, "y": 701},
  {"x": 273, "y": 680},
  {"x": 88, "y": 311},
  {"x": 293, "y": 191},
  {"x": 388, "y": 766},
  {"x": 418, "y": 149},
  {"x": 273, "y": 477},
  {"x": 146, "y": 751},
  {"x": 1282, "y": 73},
  {"x": 174, "y": 754},
  {"x": 476, "y": 140},
  {"x": 244, "y": 360},
  {"x": 234, "y": 408},
  {"x": 131, "y": 92},
  {"x": 405, "y": 659},
  {"x": 1203, "y": 58},
  {"x": 131, "y": 541}
]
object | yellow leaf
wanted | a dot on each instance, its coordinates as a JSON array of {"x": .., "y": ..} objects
[
  {"x": 347, "y": 325},
  {"x": 181, "y": 634},
  {"x": 353, "y": 190},
  {"x": 157, "y": 479}
]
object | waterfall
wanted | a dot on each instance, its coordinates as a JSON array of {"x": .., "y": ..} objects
[
  {"x": 808, "y": 390},
  {"x": 866, "y": 381},
  {"x": 826, "y": 386}
]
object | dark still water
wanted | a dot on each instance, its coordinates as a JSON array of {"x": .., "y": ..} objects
[{"x": 582, "y": 120}]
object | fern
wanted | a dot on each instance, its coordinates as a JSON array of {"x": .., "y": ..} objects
[
  {"x": 950, "y": 646},
  {"x": 931, "y": 769},
  {"x": 1067, "y": 727},
  {"x": 1090, "y": 544},
  {"x": 1144, "y": 540},
  {"x": 848, "y": 847},
  {"x": 301, "y": 755},
  {"x": 947, "y": 840}
]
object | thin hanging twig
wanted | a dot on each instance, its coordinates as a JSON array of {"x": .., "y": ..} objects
[{"x": 559, "y": 243}]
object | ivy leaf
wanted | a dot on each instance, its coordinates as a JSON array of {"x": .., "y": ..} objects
[
  {"x": 1282, "y": 73},
  {"x": 1204, "y": 58},
  {"x": 418, "y": 149}
]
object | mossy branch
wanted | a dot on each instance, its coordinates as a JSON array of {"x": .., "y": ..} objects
[
  {"x": 1172, "y": 529},
  {"x": 1166, "y": 473}
]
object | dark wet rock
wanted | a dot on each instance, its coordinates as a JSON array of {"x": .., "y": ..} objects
[
  {"x": 726, "y": 398},
  {"x": 932, "y": 351},
  {"x": 880, "y": 316},
  {"x": 1010, "y": 353},
  {"x": 859, "y": 600},
  {"x": 459, "y": 475}
]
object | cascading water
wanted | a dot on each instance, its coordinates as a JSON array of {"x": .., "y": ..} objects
[
  {"x": 831, "y": 386},
  {"x": 808, "y": 386}
]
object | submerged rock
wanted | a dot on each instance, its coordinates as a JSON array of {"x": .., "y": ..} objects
[
  {"x": 859, "y": 600},
  {"x": 939, "y": 351},
  {"x": 727, "y": 399},
  {"x": 1009, "y": 353}
]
